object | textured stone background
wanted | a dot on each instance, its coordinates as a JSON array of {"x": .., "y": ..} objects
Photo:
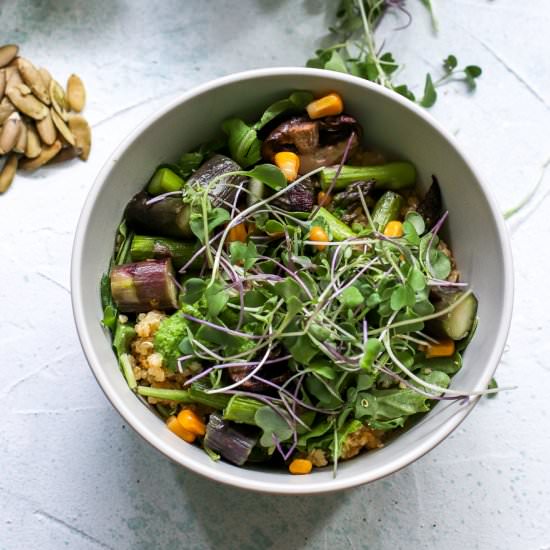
[{"x": 73, "y": 476}]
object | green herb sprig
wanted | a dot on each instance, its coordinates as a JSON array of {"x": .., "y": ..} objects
[{"x": 354, "y": 50}]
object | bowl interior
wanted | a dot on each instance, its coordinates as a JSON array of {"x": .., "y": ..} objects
[{"x": 478, "y": 239}]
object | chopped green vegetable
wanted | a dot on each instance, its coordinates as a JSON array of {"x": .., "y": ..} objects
[{"x": 168, "y": 337}]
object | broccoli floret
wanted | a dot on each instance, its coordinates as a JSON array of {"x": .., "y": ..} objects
[{"x": 168, "y": 337}]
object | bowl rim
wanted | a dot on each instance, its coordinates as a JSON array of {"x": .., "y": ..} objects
[{"x": 236, "y": 479}]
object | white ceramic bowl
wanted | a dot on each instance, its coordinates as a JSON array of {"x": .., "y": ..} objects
[{"x": 478, "y": 236}]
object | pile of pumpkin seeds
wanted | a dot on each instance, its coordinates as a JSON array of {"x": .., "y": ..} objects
[{"x": 39, "y": 120}]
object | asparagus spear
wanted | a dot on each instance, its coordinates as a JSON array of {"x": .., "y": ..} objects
[
  {"x": 394, "y": 175},
  {"x": 147, "y": 248},
  {"x": 142, "y": 286}
]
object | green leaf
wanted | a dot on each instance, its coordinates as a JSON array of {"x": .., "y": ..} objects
[
  {"x": 287, "y": 288},
  {"x": 296, "y": 101},
  {"x": 216, "y": 217},
  {"x": 216, "y": 298},
  {"x": 244, "y": 145},
  {"x": 303, "y": 350},
  {"x": 185, "y": 346},
  {"x": 388, "y": 63},
  {"x": 371, "y": 71},
  {"x": 450, "y": 63},
  {"x": 417, "y": 221},
  {"x": 109, "y": 317},
  {"x": 318, "y": 389},
  {"x": 272, "y": 424},
  {"x": 372, "y": 349},
  {"x": 447, "y": 365},
  {"x": 473, "y": 71},
  {"x": 243, "y": 252},
  {"x": 323, "y": 368},
  {"x": 424, "y": 307},
  {"x": 430, "y": 95},
  {"x": 416, "y": 279},
  {"x": 268, "y": 174},
  {"x": 351, "y": 297},
  {"x": 336, "y": 63},
  {"x": 402, "y": 296},
  {"x": 493, "y": 385},
  {"x": 316, "y": 431},
  {"x": 440, "y": 264},
  {"x": 405, "y": 92},
  {"x": 193, "y": 290},
  {"x": 319, "y": 332},
  {"x": 274, "y": 227},
  {"x": 395, "y": 404}
]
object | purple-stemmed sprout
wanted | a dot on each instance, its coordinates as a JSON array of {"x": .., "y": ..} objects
[
  {"x": 221, "y": 328},
  {"x": 291, "y": 273},
  {"x": 435, "y": 231},
  {"x": 159, "y": 198},
  {"x": 246, "y": 365}
]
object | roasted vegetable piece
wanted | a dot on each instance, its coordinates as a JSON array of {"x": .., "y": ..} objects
[
  {"x": 317, "y": 142},
  {"x": 458, "y": 323},
  {"x": 226, "y": 188},
  {"x": 168, "y": 217},
  {"x": 387, "y": 209},
  {"x": 430, "y": 206},
  {"x": 149, "y": 248},
  {"x": 394, "y": 175},
  {"x": 165, "y": 181},
  {"x": 340, "y": 231},
  {"x": 351, "y": 195},
  {"x": 142, "y": 286},
  {"x": 234, "y": 444},
  {"x": 300, "y": 198},
  {"x": 167, "y": 338}
]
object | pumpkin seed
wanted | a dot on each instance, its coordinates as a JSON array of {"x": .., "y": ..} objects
[
  {"x": 62, "y": 127},
  {"x": 67, "y": 153},
  {"x": 13, "y": 78},
  {"x": 8, "y": 54},
  {"x": 8, "y": 173},
  {"x": 6, "y": 109},
  {"x": 2, "y": 83},
  {"x": 31, "y": 77},
  {"x": 59, "y": 101},
  {"x": 33, "y": 148},
  {"x": 46, "y": 77},
  {"x": 46, "y": 129},
  {"x": 45, "y": 155},
  {"x": 76, "y": 93},
  {"x": 21, "y": 143},
  {"x": 10, "y": 133},
  {"x": 27, "y": 104},
  {"x": 83, "y": 134}
]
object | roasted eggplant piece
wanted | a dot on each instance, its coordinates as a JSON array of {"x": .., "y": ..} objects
[
  {"x": 141, "y": 286},
  {"x": 317, "y": 142},
  {"x": 300, "y": 198},
  {"x": 168, "y": 217},
  {"x": 430, "y": 207},
  {"x": 225, "y": 189},
  {"x": 234, "y": 444}
]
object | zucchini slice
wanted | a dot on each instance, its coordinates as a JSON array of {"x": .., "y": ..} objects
[{"x": 458, "y": 323}]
